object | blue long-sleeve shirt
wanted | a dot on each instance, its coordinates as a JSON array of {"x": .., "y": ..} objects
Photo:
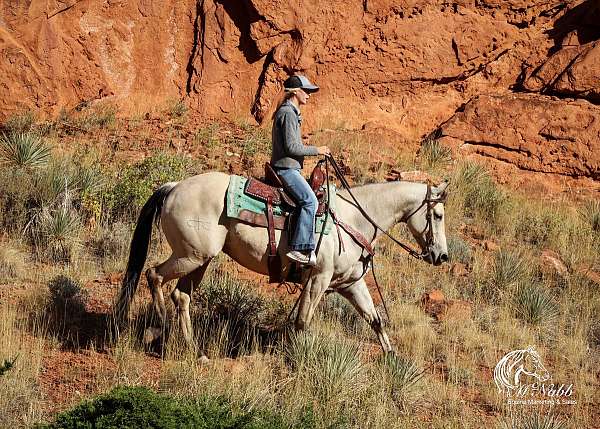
[{"x": 288, "y": 149}]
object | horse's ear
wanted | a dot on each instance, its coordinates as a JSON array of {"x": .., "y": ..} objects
[{"x": 442, "y": 190}]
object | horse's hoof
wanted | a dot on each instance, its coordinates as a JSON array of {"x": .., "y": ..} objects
[
  {"x": 151, "y": 334},
  {"x": 203, "y": 360}
]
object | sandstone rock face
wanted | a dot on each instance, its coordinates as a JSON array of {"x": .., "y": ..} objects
[
  {"x": 534, "y": 132},
  {"x": 408, "y": 64}
]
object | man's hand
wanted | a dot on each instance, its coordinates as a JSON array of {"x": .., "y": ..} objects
[{"x": 323, "y": 150}]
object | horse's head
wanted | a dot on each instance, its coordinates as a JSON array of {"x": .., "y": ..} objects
[
  {"x": 533, "y": 366},
  {"x": 426, "y": 223}
]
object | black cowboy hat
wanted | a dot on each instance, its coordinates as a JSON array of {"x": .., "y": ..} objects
[{"x": 301, "y": 82}]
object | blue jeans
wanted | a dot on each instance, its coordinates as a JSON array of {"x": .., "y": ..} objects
[{"x": 299, "y": 189}]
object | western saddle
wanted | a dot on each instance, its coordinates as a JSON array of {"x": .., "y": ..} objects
[{"x": 272, "y": 191}]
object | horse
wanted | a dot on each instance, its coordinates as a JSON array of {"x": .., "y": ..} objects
[
  {"x": 509, "y": 369},
  {"x": 192, "y": 216}
]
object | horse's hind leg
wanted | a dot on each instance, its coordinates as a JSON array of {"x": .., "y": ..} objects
[
  {"x": 182, "y": 297},
  {"x": 358, "y": 294},
  {"x": 172, "y": 268}
]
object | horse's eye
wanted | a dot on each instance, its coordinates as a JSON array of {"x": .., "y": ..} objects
[{"x": 437, "y": 216}]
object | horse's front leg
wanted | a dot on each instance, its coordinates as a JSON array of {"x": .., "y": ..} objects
[
  {"x": 310, "y": 298},
  {"x": 360, "y": 297}
]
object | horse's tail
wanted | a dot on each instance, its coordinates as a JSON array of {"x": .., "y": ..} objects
[{"x": 138, "y": 250}]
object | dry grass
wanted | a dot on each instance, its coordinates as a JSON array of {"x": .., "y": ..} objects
[{"x": 442, "y": 377}]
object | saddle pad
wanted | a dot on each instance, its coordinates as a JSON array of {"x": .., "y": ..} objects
[{"x": 236, "y": 201}]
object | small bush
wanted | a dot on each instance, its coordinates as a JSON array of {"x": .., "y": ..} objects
[
  {"x": 139, "y": 407},
  {"x": 538, "y": 228},
  {"x": 533, "y": 305},
  {"x": 136, "y": 183},
  {"x": 20, "y": 122},
  {"x": 66, "y": 293},
  {"x": 177, "y": 109},
  {"x": 234, "y": 316},
  {"x": 23, "y": 150},
  {"x": 55, "y": 232}
]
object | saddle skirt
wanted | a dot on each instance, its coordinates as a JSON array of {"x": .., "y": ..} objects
[{"x": 246, "y": 200}]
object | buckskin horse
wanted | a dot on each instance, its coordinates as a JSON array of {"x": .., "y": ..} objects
[{"x": 193, "y": 218}]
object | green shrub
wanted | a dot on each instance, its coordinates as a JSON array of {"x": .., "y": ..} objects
[
  {"x": 538, "y": 228},
  {"x": 137, "y": 182},
  {"x": 139, "y": 407},
  {"x": 176, "y": 108},
  {"x": 234, "y": 316},
  {"x": 23, "y": 150}
]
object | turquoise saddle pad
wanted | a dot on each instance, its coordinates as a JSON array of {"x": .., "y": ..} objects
[{"x": 236, "y": 201}]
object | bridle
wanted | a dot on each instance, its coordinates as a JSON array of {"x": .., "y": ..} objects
[{"x": 429, "y": 201}]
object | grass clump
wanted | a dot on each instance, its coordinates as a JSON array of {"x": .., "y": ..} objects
[
  {"x": 12, "y": 262},
  {"x": 590, "y": 214},
  {"x": 20, "y": 122},
  {"x": 434, "y": 154},
  {"x": 67, "y": 293},
  {"x": 481, "y": 197},
  {"x": 533, "y": 305},
  {"x": 139, "y": 407},
  {"x": 23, "y": 150},
  {"x": 56, "y": 232},
  {"x": 459, "y": 250},
  {"x": 533, "y": 421}
]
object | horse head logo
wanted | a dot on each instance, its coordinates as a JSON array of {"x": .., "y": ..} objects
[{"x": 513, "y": 365}]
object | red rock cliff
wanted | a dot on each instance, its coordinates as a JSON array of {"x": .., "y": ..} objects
[{"x": 411, "y": 65}]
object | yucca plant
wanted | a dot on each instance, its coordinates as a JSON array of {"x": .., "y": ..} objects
[
  {"x": 23, "y": 150},
  {"x": 56, "y": 231},
  {"x": 533, "y": 305},
  {"x": 509, "y": 267},
  {"x": 329, "y": 366},
  {"x": 402, "y": 374}
]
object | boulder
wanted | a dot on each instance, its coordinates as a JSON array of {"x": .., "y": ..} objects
[{"x": 436, "y": 305}]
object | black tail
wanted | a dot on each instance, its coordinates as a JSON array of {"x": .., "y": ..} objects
[{"x": 138, "y": 250}]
